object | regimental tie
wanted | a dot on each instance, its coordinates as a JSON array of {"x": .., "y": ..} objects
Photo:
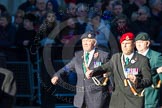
[
  {"x": 86, "y": 62},
  {"x": 127, "y": 61},
  {"x": 86, "y": 58}
]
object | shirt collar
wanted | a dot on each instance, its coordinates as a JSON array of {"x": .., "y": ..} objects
[
  {"x": 129, "y": 56},
  {"x": 90, "y": 55},
  {"x": 144, "y": 54},
  {"x": 90, "y": 52}
]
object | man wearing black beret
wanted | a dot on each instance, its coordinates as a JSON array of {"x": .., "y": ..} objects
[{"x": 89, "y": 93}]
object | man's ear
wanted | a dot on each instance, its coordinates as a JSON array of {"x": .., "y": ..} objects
[
  {"x": 95, "y": 42},
  {"x": 148, "y": 43}
]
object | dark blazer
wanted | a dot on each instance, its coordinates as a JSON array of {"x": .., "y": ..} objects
[
  {"x": 95, "y": 96},
  {"x": 122, "y": 97},
  {"x": 152, "y": 94}
]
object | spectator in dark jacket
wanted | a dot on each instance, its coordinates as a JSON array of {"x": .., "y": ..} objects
[
  {"x": 7, "y": 30},
  {"x": 25, "y": 35}
]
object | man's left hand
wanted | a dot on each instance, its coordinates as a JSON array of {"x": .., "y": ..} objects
[
  {"x": 132, "y": 78},
  {"x": 89, "y": 74}
]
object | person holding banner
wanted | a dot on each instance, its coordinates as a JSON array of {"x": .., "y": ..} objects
[
  {"x": 131, "y": 73},
  {"x": 90, "y": 93}
]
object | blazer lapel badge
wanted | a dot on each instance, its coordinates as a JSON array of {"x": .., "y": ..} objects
[
  {"x": 96, "y": 63},
  {"x": 133, "y": 60},
  {"x": 96, "y": 54}
]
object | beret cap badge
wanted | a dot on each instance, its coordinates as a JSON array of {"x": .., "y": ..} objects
[
  {"x": 89, "y": 35},
  {"x": 127, "y": 37}
]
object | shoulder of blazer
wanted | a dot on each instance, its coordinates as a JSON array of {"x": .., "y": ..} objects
[
  {"x": 152, "y": 53},
  {"x": 79, "y": 53},
  {"x": 117, "y": 55},
  {"x": 140, "y": 56},
  {"x": 102, "y": 52}
]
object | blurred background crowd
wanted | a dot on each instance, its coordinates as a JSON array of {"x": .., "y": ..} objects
[{"x": 34, "y": 20}]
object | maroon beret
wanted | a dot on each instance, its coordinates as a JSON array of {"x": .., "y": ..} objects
[{"x": 127, "y": 36}]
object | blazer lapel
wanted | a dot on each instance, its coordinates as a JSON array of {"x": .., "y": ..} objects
[
  {"x": 133, "y": 60},
  {"x": 80, "y": 60},
  {"x": 94, "y": 59},
  {"x": 148, "y": 55}
]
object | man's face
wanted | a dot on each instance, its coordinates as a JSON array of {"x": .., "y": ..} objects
[
  {"x": 88, "y": 44},
  {"x": 28, "y": 24},
  {"x": 141, "y": 45},
  {"x": 118, "y": 9},
  {"x": 41, "y": 5},
  {"x": 127, "y": 47},
  {"x": 95, "y": 20}
]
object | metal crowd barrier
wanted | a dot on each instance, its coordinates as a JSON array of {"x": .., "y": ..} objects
[{"x": 20, "y": 63}]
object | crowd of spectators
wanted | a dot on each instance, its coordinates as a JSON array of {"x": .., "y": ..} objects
[{"x": 65, "y": 20}]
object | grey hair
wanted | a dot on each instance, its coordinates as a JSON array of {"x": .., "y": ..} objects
[{"x": 81, "y": 6}]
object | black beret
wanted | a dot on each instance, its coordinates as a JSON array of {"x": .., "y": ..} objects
[{"x": 89, "y": 35}]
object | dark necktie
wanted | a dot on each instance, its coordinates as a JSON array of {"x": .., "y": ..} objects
[{"x": 126, "y": 61}]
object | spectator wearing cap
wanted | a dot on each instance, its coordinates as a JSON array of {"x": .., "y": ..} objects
[
  {"x": 131, "y": 74},
  {"x": 152, "y": 93},
  {"x": 89, "y": 93}
]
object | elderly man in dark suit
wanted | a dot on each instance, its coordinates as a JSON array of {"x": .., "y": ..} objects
[
  {"x": 152, "y": 93},
  {"x": 89, "y": 93},
  {"x": 131, "y": 74}
]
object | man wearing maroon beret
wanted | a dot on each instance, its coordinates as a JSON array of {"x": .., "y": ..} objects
[{"x": 131, "y": 73}]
